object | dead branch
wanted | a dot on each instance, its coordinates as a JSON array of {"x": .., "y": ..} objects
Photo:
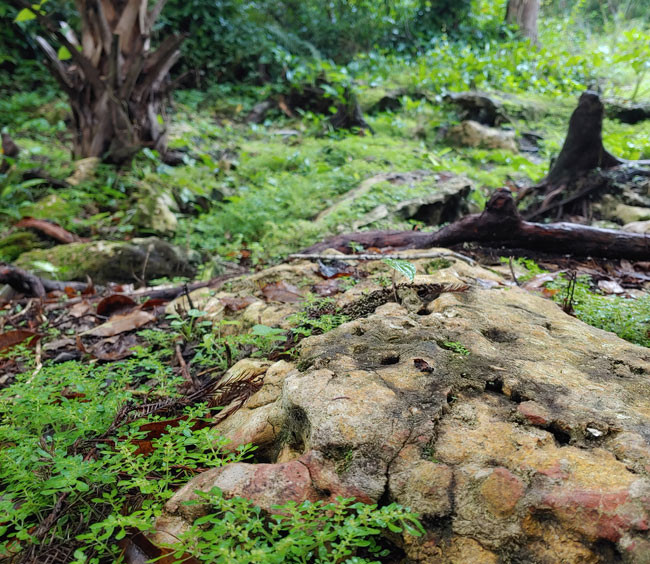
[{"x": 501, "y": 224}]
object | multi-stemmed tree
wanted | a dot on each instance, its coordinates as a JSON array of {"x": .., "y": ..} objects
[{"x": 114, "y": 80}]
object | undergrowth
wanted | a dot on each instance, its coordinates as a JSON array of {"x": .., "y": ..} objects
[
  {"x": 629, "y": 318},
  {"x": 261, "y": 187},
  {"x": 70, "y": 450}
]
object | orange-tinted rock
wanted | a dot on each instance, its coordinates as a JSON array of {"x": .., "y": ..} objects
[
  {"x": 265, "y": 485},
  {"x": 502, "y": 490},
  {"x": 534, "y": 413},
  {"x": 597, "y": 515}
]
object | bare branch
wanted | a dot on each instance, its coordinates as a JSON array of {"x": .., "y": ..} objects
[
  {"x": 90, "y": 72},
  {"x": 59, "y": 69},
  {"x": 153, "y": 16},
  {"x": 156, "y": 62},
  {"x": 69, "y": 33}
]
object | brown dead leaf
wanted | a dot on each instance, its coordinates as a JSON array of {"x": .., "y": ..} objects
[
  {"x": 17, "y": 336},
  {"x": 81, "y": 308},
  {"x": 114, "y": 348},
  {"x": 282, "y": 292},
  {"x": 626, "y": 266},
  {"x": 550, "y": 292},
  {"x": 327, "y": 287},
  {"x": 63, "y": 343},
  {"x": 422, "y": 365},
  {"x": 115, "y": 303},
  {"x": 121, "y": 324},
  {"x": 48, "y": 228},
  {"x": 610, "y": 287},
  {"x": 89, "y": 290},
  {"x": 153, "y": 304},
  {"x": 80, "y": 345},
  {"x": 138, "y": 549},
  {"x": 335, "y": 269},
  {"x": 235, "y": 304},
  {"x": 536, "y": 283},
  {"x": 145, "y": 448},
  {"x": 70, "y": 292}
]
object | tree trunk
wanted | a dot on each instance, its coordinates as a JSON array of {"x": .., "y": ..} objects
[
  {"x": 523, "y": 14},
  {"x": 114, "y": 81}
]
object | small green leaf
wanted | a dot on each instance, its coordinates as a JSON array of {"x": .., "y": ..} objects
[
  {"x": 63, "y": 53},
  {"x": 45, "y": 266},
  {"x": 402, "y": 266},
  {"x": 25, "y": 15}
]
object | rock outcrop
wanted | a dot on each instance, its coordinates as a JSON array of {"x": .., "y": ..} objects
[
  {"x": 522, "y": 438},
  {"x": 472, "y": 134}
]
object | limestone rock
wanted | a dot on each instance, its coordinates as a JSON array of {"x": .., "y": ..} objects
[
  {"x": 472, "y": 134},
  {"x": 479, "y": 107},
  {"x": 637, "y": 227},
  {"x": 84, "y": 169},
  {"x": 154, "y": 210},
  {"x": 112, "y": 261},
  {"x": 613, "y": 209},
  {"x": 533, "y": 448}
]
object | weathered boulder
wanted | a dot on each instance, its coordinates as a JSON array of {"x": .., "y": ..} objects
[
  {"x": 479, "y": 107},
  {"x": 112, "y": 261},
  {"x": 613, "y": 209},
  {"x": 524, "y": 439},
  {"x": 431, "y": 198},
  {"x": 472, "y": 134},
  {"x": 637, "y": 227},
  {"x": 154, "y": 209}
]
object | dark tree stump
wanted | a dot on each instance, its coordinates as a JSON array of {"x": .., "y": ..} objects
[
  {"x": 581, "y": 172},
  {"x": 583, "y": 149}
]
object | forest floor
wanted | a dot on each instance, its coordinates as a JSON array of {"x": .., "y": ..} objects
[{"x": 245, "y": 197}]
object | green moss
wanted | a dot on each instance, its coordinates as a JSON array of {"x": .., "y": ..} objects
[{"x": 13, "y": 245}]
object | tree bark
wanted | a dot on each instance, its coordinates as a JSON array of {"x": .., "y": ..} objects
[
  {"x": 501, "y": 224},
  {"x": 113, "y": 79},
  {"x": 523, "y": 14}
]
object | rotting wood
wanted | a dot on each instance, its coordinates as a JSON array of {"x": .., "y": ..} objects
[
  {"x": 583, "y": 171},
  {"x": 500, "y": 223}
]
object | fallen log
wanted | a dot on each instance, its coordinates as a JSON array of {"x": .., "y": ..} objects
[
  {"x": 32, "y": 285},
  {"x": 501, "y": 224}
]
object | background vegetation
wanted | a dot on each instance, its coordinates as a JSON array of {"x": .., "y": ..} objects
[{"x": 253, "y": 190}]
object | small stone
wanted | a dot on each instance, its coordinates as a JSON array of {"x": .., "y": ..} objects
[{"x": 594, "y": 432}]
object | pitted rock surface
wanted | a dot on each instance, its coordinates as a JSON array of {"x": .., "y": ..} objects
[{"x": 532, "y": 448}]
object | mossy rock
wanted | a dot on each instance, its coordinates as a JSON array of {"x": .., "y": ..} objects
[
  {"x": 52, "y": 207},
  {"x": 154, "y": 209},
  {"x": 17, "y": 243},
  {"x": 112, "y": 261}
]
